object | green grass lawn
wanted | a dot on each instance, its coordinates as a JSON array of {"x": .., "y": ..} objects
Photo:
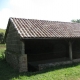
[{"x": 69, "y": 72}]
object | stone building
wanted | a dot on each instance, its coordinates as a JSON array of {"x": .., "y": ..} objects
[{"x": 38, "y": 44}]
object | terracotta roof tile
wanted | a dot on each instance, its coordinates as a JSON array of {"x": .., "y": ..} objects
[{"x": 41, "y": 28}]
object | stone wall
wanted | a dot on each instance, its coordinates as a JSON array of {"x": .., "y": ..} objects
[
  {"x": 23, "y": 63},
  {"x": 15, "y": 54},
  {"x": 13, "y": 42},
  {"x": 18, "y": 62},
  {"x": 12, "y": 59}
]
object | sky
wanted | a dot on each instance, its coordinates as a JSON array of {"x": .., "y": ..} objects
[{"x": 54, "y": 10}]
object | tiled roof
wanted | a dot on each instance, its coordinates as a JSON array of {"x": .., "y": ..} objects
[{"x": 31, "y": 28}]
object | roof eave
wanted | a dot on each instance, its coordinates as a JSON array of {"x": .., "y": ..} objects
[{"x": 23, "y": 38}]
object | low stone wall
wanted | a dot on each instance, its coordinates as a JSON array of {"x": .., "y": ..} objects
[
  {"x": 75, "y": 60},
  {"x": 18, "y": 62},
  {"x": 48, "y": 65}
]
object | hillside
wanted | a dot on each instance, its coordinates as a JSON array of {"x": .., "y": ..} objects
[{"x": 2, "y": 30}]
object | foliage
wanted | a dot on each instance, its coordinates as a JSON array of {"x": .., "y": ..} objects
[
  {"x": 1, "y": 37},
  {"x": 77, "y": 20},
  {"x": 2, "y": 33},
  {"x": 2, "y": 49}
]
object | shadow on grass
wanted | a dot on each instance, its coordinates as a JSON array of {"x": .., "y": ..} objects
[{"x": 7, "y": 72}]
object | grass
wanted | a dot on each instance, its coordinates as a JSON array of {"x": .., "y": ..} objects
[
  {"x": 2, "y": 31},
  {"x": 67, "y": 72},
  {"x": 2, "y": 49}
]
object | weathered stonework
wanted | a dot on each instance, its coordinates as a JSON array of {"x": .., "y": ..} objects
[
  {"x": 48, "y": 65},
  {"x": 18, "y": 62},
  {"x": 12, "y": 59},
  {"x": 23, "y": 63},
  {"x": 13, "y": 42},
  {"x": 15, "y": 54}
]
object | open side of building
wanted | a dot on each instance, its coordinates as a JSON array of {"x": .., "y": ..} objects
[{"x": 38, "y": 44}]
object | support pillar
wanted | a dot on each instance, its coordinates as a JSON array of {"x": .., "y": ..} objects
[
  {"x": 23, "y": 48},
  {"x": 70, "y": 50},
  {"x": 23, "y": 60}
]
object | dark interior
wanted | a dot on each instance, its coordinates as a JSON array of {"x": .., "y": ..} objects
[
  {"x": 76, "y": 49},
  {"x": 45, "y": 49},
  {"x": 41, "y": 50}
]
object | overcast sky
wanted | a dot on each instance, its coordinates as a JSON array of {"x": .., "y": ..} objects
[{"x": 55, "y": 10}]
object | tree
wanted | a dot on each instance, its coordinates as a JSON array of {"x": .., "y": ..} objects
[
  {"x": 77, "y": 20},
  {"x": 1, "y": 37}
]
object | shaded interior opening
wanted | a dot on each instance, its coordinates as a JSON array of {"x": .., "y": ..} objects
[
  {"x": 45, "y": 49},
  {"x": 76, "y": 49}
]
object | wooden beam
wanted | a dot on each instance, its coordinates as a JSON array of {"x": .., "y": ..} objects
[
  {"x": 70, "y": 50},
  {"x": 23, "y": 48}
]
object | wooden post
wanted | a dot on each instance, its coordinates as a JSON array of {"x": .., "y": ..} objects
[
  {"x": 70, "y": 50},
  {"x": 23, "y": 48}
]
